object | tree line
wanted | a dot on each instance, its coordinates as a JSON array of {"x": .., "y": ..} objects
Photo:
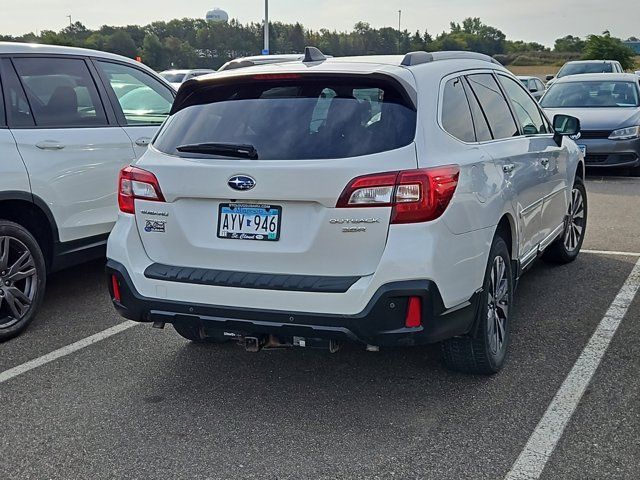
[{"x": 196, "y": 43}]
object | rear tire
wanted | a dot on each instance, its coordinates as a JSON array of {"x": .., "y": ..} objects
[
  {"x": 193, "y": 332},
  {"x": 22, "y": 279},
  {"x": 567, "y": 246},
  {"x": 484, "y": 351}
]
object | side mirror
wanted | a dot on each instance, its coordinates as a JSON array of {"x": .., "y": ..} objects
[
  {"x": 564, "y": 126},
  {"x": 550, "y": 77},
  {"x": 533, "y": 89}
]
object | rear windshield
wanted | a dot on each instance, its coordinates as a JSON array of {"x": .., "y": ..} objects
[
  {"x": 295, "y": 119},
  {"x": 591, "y": 95},
  {"x": 582, "y": 68}
]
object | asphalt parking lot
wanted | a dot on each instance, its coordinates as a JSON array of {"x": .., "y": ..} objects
[{"x": 147, "y": 404}]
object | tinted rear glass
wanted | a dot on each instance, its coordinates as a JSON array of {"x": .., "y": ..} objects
[
  {"x": 295, "y": 119},
  {"x": 173, "y": 77}
]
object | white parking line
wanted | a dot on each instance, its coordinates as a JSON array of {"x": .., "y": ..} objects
[
  {"x": 545, "y": 437},
  {"x": 609, "y": 252},
  {"x": 64, "y": 351}
]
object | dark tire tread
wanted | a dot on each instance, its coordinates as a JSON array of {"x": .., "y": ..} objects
[{"x": 471, "y": 353}]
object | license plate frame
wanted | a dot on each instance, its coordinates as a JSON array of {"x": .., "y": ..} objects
[{"x": 253, "y": 210}]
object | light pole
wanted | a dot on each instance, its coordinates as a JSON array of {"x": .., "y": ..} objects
[
  {"x": 69, "y": 17},
  {"x": 399, "y": 19},
  {"x": 265, "y": 50}
]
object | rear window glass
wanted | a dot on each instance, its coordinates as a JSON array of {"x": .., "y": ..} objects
[
  {"x": 295, "y": 119},
  {"x": 582, "y": 68}
]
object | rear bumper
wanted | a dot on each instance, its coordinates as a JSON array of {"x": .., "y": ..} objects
[
  {"x": 381, "y": 323},
  {"x": 611, "y": 153}
]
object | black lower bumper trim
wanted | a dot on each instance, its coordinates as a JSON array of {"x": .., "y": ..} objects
[
  {"x": 263, "y": 281},
  {"x": 381, "y": 323}
]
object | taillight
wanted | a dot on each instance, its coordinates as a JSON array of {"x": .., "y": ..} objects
[
  {"x": 415, "y": 195},
  {"x": 137, "y": 183}
]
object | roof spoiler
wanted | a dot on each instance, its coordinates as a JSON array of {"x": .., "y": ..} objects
[
  {"x": 313, "y": 54},
  {"x": 418, "y": 58}
]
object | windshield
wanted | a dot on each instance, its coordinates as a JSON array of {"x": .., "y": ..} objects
[
  {"x": 580, "y": 68},
  {"x": 294, "y": 119},
  {"x": 591, "y": 94},
  {"x": 525, "y": 82},
  {"x": 173, "y": 77}
]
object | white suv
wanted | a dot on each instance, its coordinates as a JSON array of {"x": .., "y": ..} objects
[
  {"x": 70, "y": 119},
  {"x": 385, "y": 200}
]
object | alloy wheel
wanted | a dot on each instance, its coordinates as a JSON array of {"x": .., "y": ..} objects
[
  {"x": 498, "y": 305},
  {"x": 18, "y": 281},
  {"x": 575, "y": 221}
]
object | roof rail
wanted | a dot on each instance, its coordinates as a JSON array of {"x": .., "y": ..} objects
[
  {"x": 313, "y": 54},
  {"x": 417, "y": 58}
]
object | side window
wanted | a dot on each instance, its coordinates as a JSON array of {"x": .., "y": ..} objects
[
  {"x": 480, "y": 123},
  {"x": 494, "y": 105},
  {"x": 456, "y": 114},
  {"x": 525, "y": 107},
  {"x": 143, "y": 99},
  {"x": 17, "y": 106},
  {"x": 540, "y": 85},
  {"x": 61, "y": 92},
  {"x": 3, "y": 122}
]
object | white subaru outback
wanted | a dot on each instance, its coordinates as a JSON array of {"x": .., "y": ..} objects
[{"x": 391, "y": 201}]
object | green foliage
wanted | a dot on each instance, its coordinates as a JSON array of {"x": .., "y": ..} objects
[
  {"x": 606, "y": 47},
  {"x": 193, "y": 43},
  {"x": 569, "y": 44}
]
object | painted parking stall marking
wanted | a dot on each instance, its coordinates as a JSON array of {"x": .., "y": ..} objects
[
  {"x": 542, "y": 442},
  {"x": 64, "y": 351}
]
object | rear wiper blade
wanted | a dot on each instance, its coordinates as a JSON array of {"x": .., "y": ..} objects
[{"x": 224, "y": 149}]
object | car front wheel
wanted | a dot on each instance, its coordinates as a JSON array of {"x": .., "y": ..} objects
[
  {"x": 22, "y": 279},
  {"x": 567, "y": 247}
]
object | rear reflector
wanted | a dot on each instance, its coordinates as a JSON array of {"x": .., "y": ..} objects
[
  {"x": 415, "y": 195},
  {"x": 116, "y": 288},
  {"x": 414, "y": 313}
]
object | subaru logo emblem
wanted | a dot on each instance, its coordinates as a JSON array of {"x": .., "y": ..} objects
[{"x": 241, "y": 182}]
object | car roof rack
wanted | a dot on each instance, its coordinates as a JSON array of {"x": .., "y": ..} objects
[
  {"x": 418, "y": 58},
  {"x": 313, "y": 54}
]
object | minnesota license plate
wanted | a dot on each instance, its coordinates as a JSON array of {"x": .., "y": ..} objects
[{"x": 241, "y": 221}]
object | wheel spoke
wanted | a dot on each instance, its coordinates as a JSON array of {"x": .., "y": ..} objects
[
  {"x": 17, "y": 301},
  {"x": 4, "y": 253},
  {"x": 24, "y": 261}
]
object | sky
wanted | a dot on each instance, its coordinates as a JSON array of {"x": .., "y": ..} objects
[{"x": 531, "y": 20}]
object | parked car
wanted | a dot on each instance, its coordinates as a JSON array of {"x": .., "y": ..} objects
[
  {"x": 70, "y": 119},
  {"x": 260, "y": 60},
  {"x": 178, "y": 77},
  {"x": 581, "y": 67},
  {"x": 638, "y": 72},
  {"x": 534, "y": 85},
  {"x": 608, "y": 107},
  {"x": 384, "y": 200}
]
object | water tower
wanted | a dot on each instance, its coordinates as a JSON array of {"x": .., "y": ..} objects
[{"x": 217, "y": 15}]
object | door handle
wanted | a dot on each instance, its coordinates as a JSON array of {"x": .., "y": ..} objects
[
  {"x": 508, "y": 168},
  {"x": 545, "y": 162},
  {"x": 143, "y": 141},
  {"x": 49, "y": 145}
]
